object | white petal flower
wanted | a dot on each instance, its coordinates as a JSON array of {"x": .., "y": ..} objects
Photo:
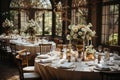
[
  {"x": 75, "y": 29},
  {"x": 75, "y": 36},
  {"x": 68, "y": 37},
  {"x": 89, "y": 25}
]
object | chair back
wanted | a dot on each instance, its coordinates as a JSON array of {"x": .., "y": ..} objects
[
  {"x": 23, "y": 56},
  {"x": 61, "y": 46},
  {"x": 4, "y": 45},
  {"x": 13, "y": 48},
  {"x": 45, "y": 48}
]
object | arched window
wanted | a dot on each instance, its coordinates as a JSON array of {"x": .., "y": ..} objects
[{"x": 40, "y": 11}]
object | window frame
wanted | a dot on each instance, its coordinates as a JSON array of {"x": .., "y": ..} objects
[{"x": 99, "y": 22}]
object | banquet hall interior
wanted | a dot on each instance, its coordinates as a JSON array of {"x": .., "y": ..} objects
[{"x": 59, "y": 40}]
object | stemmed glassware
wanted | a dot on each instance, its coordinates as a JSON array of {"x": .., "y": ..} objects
[{"x": 100, "y": 48}]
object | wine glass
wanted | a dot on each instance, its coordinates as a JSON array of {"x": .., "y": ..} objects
[{"x": 100, "y": 48}]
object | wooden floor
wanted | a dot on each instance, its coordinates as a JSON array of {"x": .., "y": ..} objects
[
  {"x": 8, "y": 68},
  {"x": 8, "y": 71}
]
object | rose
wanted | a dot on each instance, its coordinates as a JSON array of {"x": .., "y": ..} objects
[{"x": 80, "y": 31}]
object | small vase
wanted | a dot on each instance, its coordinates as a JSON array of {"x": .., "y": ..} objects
[{"x": 84, "y": 53}]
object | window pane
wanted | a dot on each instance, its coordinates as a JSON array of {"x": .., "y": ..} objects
[
  {"x": 39, "y": 19},
  {"x": 79, "y": 12},
  {"x": 31, "y": 3},
  {"x": 24, "y": 19},
  {"x": 110, "y": 24},
  {"x": 14, "y": 18},
  {"x": 34, "y": 9},
  {"x": 59, "y": 24},
  {"x": 48, "y": 23}
]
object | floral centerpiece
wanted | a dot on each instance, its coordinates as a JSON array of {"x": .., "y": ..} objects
[
  {"x": 81, "y": 32},
  {"x": 7, "y": 24},
  {"x": 30, "y": 29}
]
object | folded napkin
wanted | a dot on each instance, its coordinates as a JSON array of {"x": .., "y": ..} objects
[
  {"x": 91, "y": 64},
  {"x": 115, "y": 68},
  {"x": 49, "y": 60},
  {"x": 101, "y": 67},
  {"x": 116, "y": 62},
  {"x": 110, "y": 64},
  {"x": 116, "y": 57},
  {"x": 43, "y": 56},
  {"x": 61, "y": 61},
  {"x": 65, "y": 65}
]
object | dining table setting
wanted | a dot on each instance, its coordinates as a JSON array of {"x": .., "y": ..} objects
[{"x": 76, "y": 65}]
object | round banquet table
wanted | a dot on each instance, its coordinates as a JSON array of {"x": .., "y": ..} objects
[
  {"x": 32, "y": 47},
  {"x": 51, "y": 73},
  {"x": 51, "y": 68}
]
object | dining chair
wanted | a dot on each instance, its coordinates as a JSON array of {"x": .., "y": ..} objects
[
  {"x": 44, "y": 48},
  {"x": 26, "y": 75},
  {"x": 22, "y": 54},
  {"x": 110, "y": 75},
  {"x": 56, "y": 40},
  {"x": 59, "y": 46},
  {"x": 5, "y": 50},
  {"x": 13, "y": 49}
]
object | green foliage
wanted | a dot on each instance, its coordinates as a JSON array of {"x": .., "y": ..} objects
[{"x": 113, "y": 39}]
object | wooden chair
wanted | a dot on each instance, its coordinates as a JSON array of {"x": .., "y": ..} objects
[
  {"x": 110, "y": 75},
  {"x": 26, "y": 76},
  {"x": 22, "y": 54},
  {"x": 61, "y": 46},
  {"x": 5, "y": 50},
  {"x": 45, "y": 48},
  {"x": 56, "y": 40},
  {"x": 13, "y": 49}
]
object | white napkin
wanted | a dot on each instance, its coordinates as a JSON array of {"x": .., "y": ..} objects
[
  {"x": 116, "y": 62},
  {"x": 43, "y": 56},
  {"x": 102, "y": 67},
  {"x": 116, "y": 57},
  {"x": 49, "y": 60},
  {"x": 61, "y": 61},
  {"x": 65, "y": 65}
]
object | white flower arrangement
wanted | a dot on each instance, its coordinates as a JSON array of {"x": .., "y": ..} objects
[
  {"x": 31, "y": 27},
  {"x": 80, "y": 32},
  {"x": 7, "y": 23},
  {"x": 89, "y": 49}
]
